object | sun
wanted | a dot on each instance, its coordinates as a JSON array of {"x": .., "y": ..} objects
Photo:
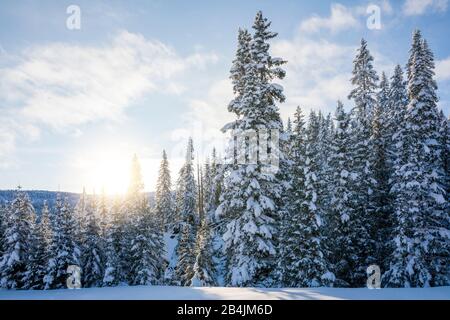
[
  {"x": 107, "y": 171},
  {"x": 110, "y": 176}
]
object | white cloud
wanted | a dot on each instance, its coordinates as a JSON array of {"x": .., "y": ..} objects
[
  {"x": 341, "y": 18},
  {"x": 7, "y": 144},
  {"x": 318, "y": 73},
  {"x": 419, "y": 7},
  {"x": 443, "y": 69},
  {"x": 203, "y": 121},
  {"x": 63, "y": 86}
]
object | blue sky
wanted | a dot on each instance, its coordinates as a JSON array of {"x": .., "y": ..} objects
[{"x": 140, "y": 76}]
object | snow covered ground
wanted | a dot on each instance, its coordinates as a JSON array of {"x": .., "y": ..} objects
[{"x": 187, "y": 293}]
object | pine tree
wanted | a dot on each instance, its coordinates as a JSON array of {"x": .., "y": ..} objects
[
  {"x": 3, "y": 224},
  {"x": 92, "y": 254},
  {"x": 147, "y": 250},
  {"x": 421, "y": 251},
  {"x": 290, "y": 228},
  {"x": 143, "y": 236},
  {"x": 80, "y": 219},
  {"x": 396, "y": 129},
  {"x": 379, "y": 158},
  {"x": 207, "y": 186},
  {"x": 252, "y": 191},
  {"x": 217, "y": 171},
  {"x": 134, "y": 204},
  {"x": 164, "y": 199},
  {"x": 323, "y": 170},
  {"x": 186, "y": 193},
  {"x": 204, "y": 273},
  {"x": 445, "y": 134},
  {"x": 103, "y": 218},
  {"x": 64, "y": 251},
  {"x": 341, "y": 238},
  {"x": 113, "y": 240},
  {"x": 238, "y": 70},
  {"x": 187, "y": 213},
  {"x": 397, "y": 103},
  {"x": 364, "y": 81},
  {"x": 18, "y": 246},
  {"x": 216, "y": 226},
  {"x": 312, "y": 262},
  {"x": 40, "y": 255}
]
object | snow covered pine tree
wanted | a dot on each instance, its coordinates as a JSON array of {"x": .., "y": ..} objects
[
  {"x": 18, "y": 244},
  {"x": 187, "y": 220},
  {"x": 250, "y": 199},
  {"x": 164, "y": 199},
  {"x": 364, "y": 81},
  {"x": 421, "y": 236},
  {"x": 64, "y": 251}
]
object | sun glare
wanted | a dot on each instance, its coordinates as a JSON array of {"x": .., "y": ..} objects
[
  {"x": 111, "y": 175},
  {"x": 107, "y": 171}
]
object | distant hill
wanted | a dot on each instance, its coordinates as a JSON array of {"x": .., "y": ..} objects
[{"x": 38, "y": 197}]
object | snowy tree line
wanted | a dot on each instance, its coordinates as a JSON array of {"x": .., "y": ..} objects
[
  {"x": 356, "y": 188},
  {"x": 111, "y": 243}
]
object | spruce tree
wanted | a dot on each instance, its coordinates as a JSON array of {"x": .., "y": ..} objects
[
  {"x": 188, "y": 217},
  {"x": 103, "y": 217},
  {"x": 113, "y": 240},
  {"x": 364, "y": 81},
  {"x": 18, "y": 245},
  {"x": 3, "y": 223},
  {"x": 238, "y": 70},
  {"x": 381, "y": 168},
  {"x": 290, "y": 245},
  {"x": 250, "y": 202},
  {"x": 396, "y": 129},
  {"x": 445, "y": 153},
  {"x": 217, "y": 183},
  {"x": 397, "y": 103},
  {"x": 64, "y": 251},
  {"x": 142, "y": 260},
  {"x": 421, "y": 251},
  {"x": 92, "y": 253},
  {"x": 147, "y": 251},
  {"x": 40, "y": 254},
  {"x": 80, "y": 219},
  {"x": 164, "y": 198},
  {"x": 341, "y": 238},
  {"x": 207, "y": 188},
  {"x": 312, "y": 261},
  {"x": 216, "y": 226},
  {"x": 204, "y": 273},
  {"x": 134, "y": 204}
]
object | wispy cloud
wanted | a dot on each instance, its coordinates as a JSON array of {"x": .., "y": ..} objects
[
  {"x": 443, "y": 69},
  {"x": 341, "y": 18},
  {"x": 318, "y": 74},
  {"x": 63, "y": 86},
  {"x": 205, "y": 117},
  {"x": 419, "y": 7},
  {"x": 312, "y": 81},
  {"x": 7, "y": 143}
]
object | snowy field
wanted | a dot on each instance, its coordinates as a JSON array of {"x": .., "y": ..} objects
[{"x": 187, "y": 293}]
